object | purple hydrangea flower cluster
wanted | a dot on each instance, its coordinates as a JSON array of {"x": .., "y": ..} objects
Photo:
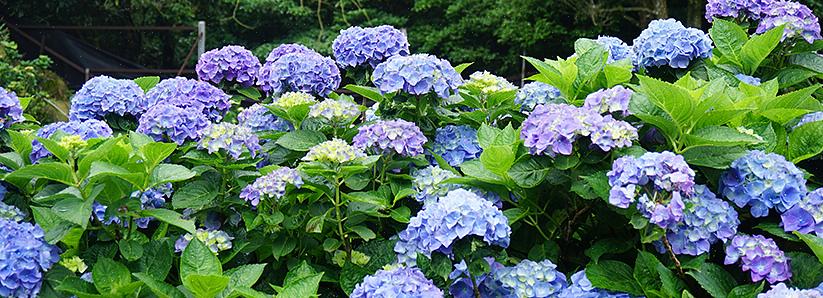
[
  {"x": 307, "y": 72},
  {"x": 171, "y": 123},
  {"x": 760, "y": 256},
  {"x": 396, "y": 282},
  {"x": 537, "y": 93},
  {"x": 763, "y": 181},
  {"x": 668, "y": 42},
  {"x": 809, "y": 118},
  {"x": 104, "y": 95},
  {"x": 288, "y": 48},
  {"x": 150, "y": 199},
  {"x": 748, "y": 79},
  {"x": 618, "y": 50},
  {"x": 215, "y": 240},
  {"x": 457, "y": 215},
  {"x": 532, "y": 279},
  {"x": 335, "y": 111},
  {"x": 798, "y": 19},
  {"x": 259, "y": 118},
  {"x": 272, "y": 185},
  {"x": 335, "y": 151},
  {"x": 391, "y": 136},
  {"x": 706, "y": 219},
  {"x": 89, "y": 129},
  {"x": 416, "y": 74},
  {"x": 25, "y": 256},
  {"x": 232, "y": 138},
  {"x": 611, "y": 100},
  {"x": 581, "y": 287},
  {"x": 190, "y": 94},
  {"x": 782, "y": 291},
  {"x": 10, "y": 212},
  {"x": 356, "y": 46},
  {"x": 230, "y": 63},
  {"x": 553, "y": 128},
  {"x": 456, "y": 144},
  {"x": 10, "y": 110},
  {"x": 807, "y": 215},
  {"x": 661, "y": 180},
  {"x": 752, "y": 9}
]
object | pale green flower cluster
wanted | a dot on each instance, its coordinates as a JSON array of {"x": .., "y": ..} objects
[
  {"x": 293, "y": 99},
  {"x": 335, "y": 150},
  {"x": 489, "y": 83}
]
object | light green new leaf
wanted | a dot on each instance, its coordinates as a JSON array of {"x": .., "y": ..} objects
[{"x": 759, "y": 47}]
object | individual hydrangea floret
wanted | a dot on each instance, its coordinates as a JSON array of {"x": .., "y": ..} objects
[
  {"x": 89, "y": 129},
  {"x": 398, "y": 281},
  {"x": 799, "y": 20},
  {"x": 335, "y": 111},
  {"x": 457, "y": 215},
  {"x": 752, "y": 9},
  {"x": 581, "y": 287},
  {"x": 372, "y": 114},
  {"x": 612, "y": 100},
  {"x": 10, "y": 110},
  {"x": 259, "y": 118},
  {"x": 190, "y": 94},
  {"x": 748, "y": 79},
  {"x": 809, "y": 118},
  {"x": 760, "y": 256},
  {"x": 807, "y": 215},
  {"x": 532, "y": 279},
  {"x": 537, "y": 93},
  {"x": 170, "y": 123},
  {"x": 706, "y": 220},
  {"x": 356, "y": 46},
  {"x": 25, "y": 256},
  {"x": 104, "y": 95},
  {"x": 488, "y": 83},
  {"x": 272, "y": 185},
  {"x": 230, "y": 64},
  {"x": 416, "y": 74},
  {"x": 391, "y": 136},
  {"x": 553, "y": 128},
  {"x": 152, "y": 198},
  {"x": 232, "y": 138},
  {"x": 456, "y": 144},
  {"x": 335, "y": 151},
  {"x": 763, "y": 181},
  {"x": 288, "y": 48},
  {"x": 215, "y": 240},
  {"x": 782, "y": 291},
  {"x": 289, "y": 100},
  {"x": 10, "y": 212},
  {"x": 668, "y": 42},
  {"x": 618, "y": 50},
  {"x": 306, "y": 72}
]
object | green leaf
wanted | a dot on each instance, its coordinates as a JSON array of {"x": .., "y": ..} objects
[
  {"x": 546, "y": 250},
  {"x": 146, "y": 83},
  {"x": 165, "y": 173},
  {"x": 74, "y": 210},
  {"x": 55, "y": 227},
  {"x": 196, "y": 195},
  {"x": 109, "y": 275},
  {"x": 154, "y": 153},
  {"x": 11, "y": 160},
  {"x": 301, "y": 140},
  {"x": 720, "y": 136},
  {"x": 645, "y": 272},
  {"x": 805, "y": 141},
  {"x": 246, "y": 275},
  {"x": 250, "y": 92},
  {"x": 806, "y": 270},
  {"x": 713, "y": 157},
  {"x": 759, "y": 47},
  {"x": 170, "y": 217},
  {"x": 607, "y": 246},
  {"x": 205, "y": 286},
  {"x": 303, "y": 285},
  {"x": 729, "y": 38},
  {"x": 776, "y": 230},
  {"x": 130, "y": 249},
  {"x": 814, "y": 242},
  {"x": 363, "y": 232},
  {"x": 58, "y": 151},
  {"x": 365, "y": 91},
  {"x": 497, "y": 159},
  {"x": 461, "y": 67},
  {"x": 159, "y": 288},
  {"x": 282, "y": 246},
  {"x": 674, "y": 100},
  {"x": 380, "y": 252},
  {"x": 746, "y": 291},
  {"x": 76, "y": 286},
  {"x": 474, "y": 168},
  {"x": 58, "y": 172},
  {"x": 157, "y": 259},
  {"x": 593, "y": 186},
  {"x": 713, "y": 279},
  {"x": 613, "y": 276},
  {"x": 401, "y": 214},
  {"x": 20, "y": 143},
  {"x": 197, "y": 258},
  {"x": 514, "y": 214},
  {"x": 438, "y": 265},
  {"x": 530, "y": 172}
]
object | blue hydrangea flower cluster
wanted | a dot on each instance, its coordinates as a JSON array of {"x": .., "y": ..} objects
[
  {"x": 232, "y": 138},
  {"x": 457, "y": 215},
  {"x": 581, "y": 287},
  {"x": 307, "y": 72},
  {"x": 89, "y": 129},
  {"x": 170, "y": 123},
  {"x": 391, "y": 136},
  {"x": 335, "y": 111},
  {"x": 537, "y": 93},
  {"x": 668, "y": 42},
  {"x": 763, "y": 181},
  {"x": 190, "y": 94},
  {"x": 611, "y": 100},
  {"x": 456, "y": 144},
  {"x": 259, "y": 118},
  {"x": 25, "y": 256},
  {"x": 752, "y": 9},
  {"x": 809, "y": 118},
  {"x": 800, "y": 21},
  {"x": 760, "y": 256},
  {"x": 532, "y": 279},
  {"x": 104, "y": 95},
  {"x": 10, "y": 110},
  {"x": 215, "y": 240},
  {"x": 464, "y": 287},
  {"x": 288, "y": 48},
  {"x": 618, "y": 50},
  {"x": 807, "y": 215},
  {"x": 10, "y": 212},
  {"x": 657, "y": 181},
  {"x": 416, "y": 74},
  {"x": 150, "y": 199},
  {"x": 399, "y": 281},
  {"x": 487, "y": 83},
  {"x": 356, "y": 46},
  {"x": 782, "y": 291},
  {"x": 748, "y": 79},
  {"x": 230, "y": 63},
  {"x": 706, "y": 219},
  {"x": 98, "y": 212},
  {"x": 553, "y": 128},
  {"x": 272, "y": 185},
  {"x": 334, "y": 151}
]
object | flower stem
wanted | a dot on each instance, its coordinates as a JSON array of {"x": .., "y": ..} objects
[
  {"x": 338, "y": 214},
  {"x": 673, "y": 256}
]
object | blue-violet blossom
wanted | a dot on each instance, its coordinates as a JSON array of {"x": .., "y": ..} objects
[
  {"x": 89, "y": 129},
  {"x": 306, "y": 72},
  {"x": 10, "y": 110},
  {"x": 668, "y": 42},
  {"x": 25, "y": 256},
  {"x": 356, "y": 46},
  {"x": 537, "y": 93},
  {"x": 456, "y": 144},
  {"x": 232, "y": 138},
  {"x": 190, "y": 94},
  {"x": 416, "y": 74},
  {"x": 706, "y": 220},
  {"x": 398, "y": 281},
  {"x": 763, "y": 181},
  {"x": 170, "y": 123},
  {"x": 230, "y": 63},
  {"x": 798, "y": 19},
  {"x": 760, "y": 256},
  {"x": 104, "y": 95},
  {"x": 391, "y": 136},
  {"x": 272, "y": 185}
]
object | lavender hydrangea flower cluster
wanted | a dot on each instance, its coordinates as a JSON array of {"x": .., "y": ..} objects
[
  {"x": 335, "y": 111},
  {"x": 10, "y": 212},
  {"x": 89, "y": 129},
  {"x": 455, "y": 216},
  {"x": 706, "y": 220},
  {"x": 553, "y": 128},
  {"x": 748, "y": 79},
  {"x": 306, "y": 72},
  {"x": 396, "y": 282},
  {"x": 660, "y": 179},
  {"x": 170, "y": 123},
  {"x": 230, "y": 63},
  {"x": 581, "y": 287},
  {"x": 611, "y": 100},
  {"x": 104, "y": 95},
  {"x": 10, "y": 110},
  {"x": 537, "y": 93},
  {"x": 190, "y": 94},
  {"x": 25, "y": 256},
  {"x": 798, "y": 19},
  {"x": 391, "y": 136},
  {"x": 334, "y": 151},
  {"x": 356, "y": 46},
  {"x": 760, "y": 256},
  {"x": 618, "y": 50},
  {"x": 763, "y": 181},
  {"x": 487, "y": 83},
  {"x": 456, "y": 144},
  {"x": 416, "y": 74},
  {"x": 150, "y": 199},
  {"x": 232, "y": 138},
  {"x": 782, "y": 291},
  {"x": 807, "y": 215},
  {"x": 288, "y": 48},
  {"x": 809, "y": 118},
  {"x": 215, "y": 240},
  {"x": 258, "y": 118},
  {"x": 752, "y": 9},
  {"x": 668, "y": 42},
  {"x": 272, "y": 185},
  {"x": 532, "y": 279}
]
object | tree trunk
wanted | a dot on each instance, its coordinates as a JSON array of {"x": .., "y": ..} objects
[{"x": 695, "y": 13}]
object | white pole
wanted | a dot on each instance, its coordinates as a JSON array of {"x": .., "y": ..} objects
[{"x": 201, "y": 38}]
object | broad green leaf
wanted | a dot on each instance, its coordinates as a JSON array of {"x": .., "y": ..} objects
[
  {"x": 783, "y": 115},
  {"x": 165, "y": 173},
  {"x": 645, "y": 272},
  {"x": 814, "y": 242},
  {"x": 365, "y": 91},
  {"x": 607, "y": 246},
  {"x": 613, "y": 276},
  {"x": 806, "y": 141},
  {"x": 55, "y": 227},
  {"x": 530, "y": 171},
  {"x": 245, "y": 275},
  {"x": 714, "y": 279},
  {"x": 282, "y": 246},
  {"x": 301, "y": 140},
  {"x": 547, "y": 250},
  {"x": 806, "y": 270},
  {"x": 197, "y": 258},
  {"x": 364, "y": 232},
  {"x": 154, "y": 153},
  {"x": 157, "y": 259},
  {"x": 380, "y": 253},
  {"x": 514, "y": 214},
  {"x": 811, "y": 61},
  {"x": 146, "y": 83},
  {"x": 712, "y": 156},
  {"x": 498, "y": 159},
  {"x": 729, "y": 38},
  {"x": 304, "y": 286},
  {"x": 170, "y": 217},
  {"x": 461, "y": 67},
  {"x": 109, "y": 275},
  {"x": 746, "y": 291},
  {"x": 800, "y": 99},
  {"x": 196, "y": 195},
  {"x": 474, "y": 168},
  {"x": 618, "y": 72},
  {"x": 20, "y": 143},
  {"x": 54, "y": 148},
  {"x": 776, "y": 230},
  {"x": 55, "y": 171},
  {"x": 131, "y": 250},
  {"x": 74, "y": 210},
  {"x": 759, "y": 47},
  {"x": 250, "y": 92},
  {"x": 720, "y": 136},
  {"x": 11, "y": 160},
  {"x": 77, "y": 287},
  {"x": 159, "y": 288},
  {"x": 205, "y": 286},
  {"x": 674, "y": 100}
]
